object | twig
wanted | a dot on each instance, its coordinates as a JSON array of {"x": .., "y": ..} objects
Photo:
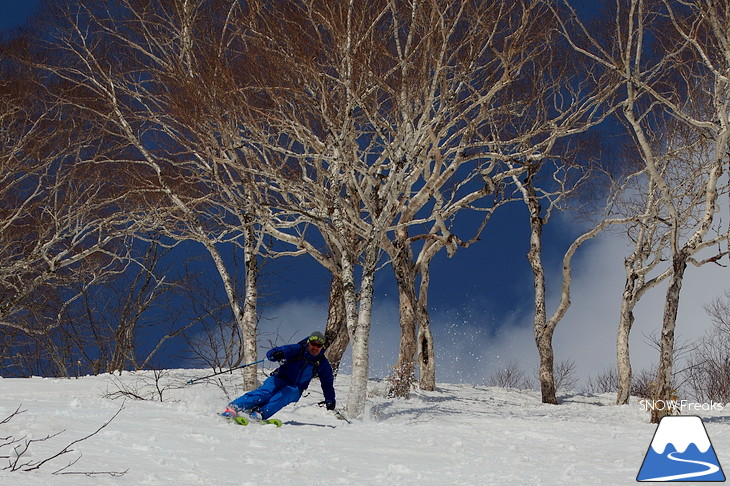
[
  {"x": 114, "y": 474},
  {"x": 68, "y": 449},
  {"x": 18, "y": 411}
]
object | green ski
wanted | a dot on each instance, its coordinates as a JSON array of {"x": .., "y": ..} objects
[{"x": 247, "y": 420}]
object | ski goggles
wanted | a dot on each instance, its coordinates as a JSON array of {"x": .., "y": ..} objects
[{"x": 316, "y": 341}]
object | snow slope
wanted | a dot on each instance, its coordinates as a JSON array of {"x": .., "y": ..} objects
[{"x": 460, "y": 434}]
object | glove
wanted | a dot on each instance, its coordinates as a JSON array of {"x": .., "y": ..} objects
[
  {"x": 277, "y": 355},
  {"x": 330, "y": 404}
]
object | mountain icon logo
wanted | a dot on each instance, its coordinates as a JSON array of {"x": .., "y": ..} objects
[{"x": 681, "y": 451}]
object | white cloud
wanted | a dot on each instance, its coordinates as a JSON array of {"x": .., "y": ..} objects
[
  {"x": 588, "y": 332},
  {"x": 291, "y": 321}
]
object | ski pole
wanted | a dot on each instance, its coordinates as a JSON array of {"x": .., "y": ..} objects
[
  {"x": 190, "y": 382},
  {"x": 337, "y": 413},
  {"x": 341, "y": 416}
]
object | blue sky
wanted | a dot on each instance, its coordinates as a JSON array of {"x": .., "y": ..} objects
[
  {"x": 14, "y": 12},
  {"x": 481, "y": 299}
]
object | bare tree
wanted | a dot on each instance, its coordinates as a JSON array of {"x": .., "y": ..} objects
[
  {"x": 106, "y": 324},
  {"x": 708, "y": 371},
  {"x": 444, "y": 88},
  {"x": 363, "y": 158},
  {"x": 565, "y": 378},
  {"x": 692, "y": 183},
  {"x": 325, "y": 121},
  {"x": 683, "y": 82},
  {"x": 142, "y": 80},
  {"x": 703, "y": 36},
  {"x": 538, "y": 137},
  {"x": 511, "y": 376},
  {"x": 649, "y": 246},
  {"x": 544, "y": 324},
  {"x": 59, "y": 225},
  {"x": 605, "y": 382}
]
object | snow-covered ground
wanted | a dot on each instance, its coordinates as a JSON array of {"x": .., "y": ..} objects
[{"x": 460, "y": 434}]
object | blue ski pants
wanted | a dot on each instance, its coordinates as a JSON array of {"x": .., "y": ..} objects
[{"x": 269, "y": 398}]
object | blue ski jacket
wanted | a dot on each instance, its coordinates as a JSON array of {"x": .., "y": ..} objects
[{"x": 300, "y": 367}]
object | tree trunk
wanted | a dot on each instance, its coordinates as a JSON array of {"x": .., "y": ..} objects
[
  {"x": 542, "y": 331},
  {"x": 626, "y": 321},
  {"x": 358, "y": 326},
  {"x": 547, "y": 360},
  {"x": 123, "y": 344},
  {"x": 249, "y": 320},
  {"x": 336, "y": 336},
  {"x": 664, "y": 389},
  {"x": 426, "y": 354},
  {"x": 403, "y": 375},
  {"x": 636, "y": 266},
  {"x": 623, "y": 357},
  {"x": 56, "y": 357}
]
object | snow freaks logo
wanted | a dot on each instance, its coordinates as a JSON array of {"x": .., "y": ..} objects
[
  {"x": 681, "y": 451},
  {"x": 680, "y": 406}
]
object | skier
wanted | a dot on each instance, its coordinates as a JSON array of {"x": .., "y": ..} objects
[{"x": 301, "y": 362}]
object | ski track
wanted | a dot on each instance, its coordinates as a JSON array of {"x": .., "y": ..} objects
[{"x": 459, "y": 434}]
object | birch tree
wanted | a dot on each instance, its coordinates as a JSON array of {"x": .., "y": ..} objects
[
  {"x": 59, "y": 226},
  {"x": 450, "y": 64},
  {"x": 642, "y": 230},
  {"x": 648, "y": 253},
  {"x": 542, "y": 117},
  {"x": 154, "y": 76},
  {"x": 323, "y": 111},
  {"x": 408, "y": 146},
  {"x": 672, "y": 60},
  {"x": 699, "y": 35}
]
